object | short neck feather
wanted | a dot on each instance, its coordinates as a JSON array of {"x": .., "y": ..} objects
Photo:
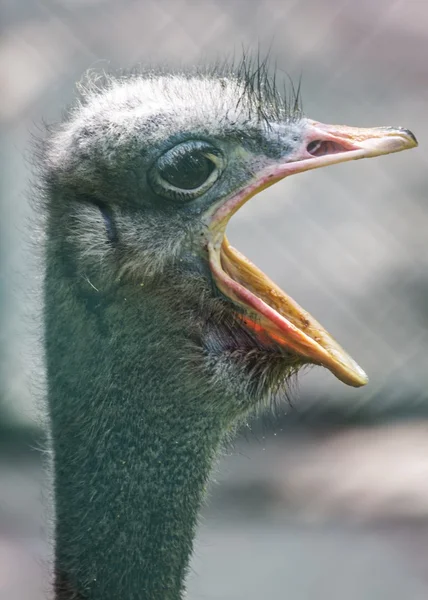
[{"x": 134, "y": 434}]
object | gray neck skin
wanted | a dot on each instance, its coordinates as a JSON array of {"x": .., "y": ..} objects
[{"x": 135, "y": 430}]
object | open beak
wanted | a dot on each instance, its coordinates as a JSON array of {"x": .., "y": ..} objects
[{"x": 268, "y": 311}]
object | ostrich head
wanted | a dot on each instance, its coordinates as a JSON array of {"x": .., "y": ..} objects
[{"x": 146, "y": 176}]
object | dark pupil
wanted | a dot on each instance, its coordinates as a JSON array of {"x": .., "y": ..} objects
[{"x": 187, "y": 171}]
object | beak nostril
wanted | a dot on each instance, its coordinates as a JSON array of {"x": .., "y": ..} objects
[
  {"x": 313, "y": 147},
  {"x": 321, "y": 148}
]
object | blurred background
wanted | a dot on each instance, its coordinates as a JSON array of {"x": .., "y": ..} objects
[{"x": 328, "y": 498}]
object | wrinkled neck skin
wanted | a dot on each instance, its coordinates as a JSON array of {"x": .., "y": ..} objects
[{"x": 136, "y": 426}]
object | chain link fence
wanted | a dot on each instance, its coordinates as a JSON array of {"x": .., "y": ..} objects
[{"x": 349, "y": 242}]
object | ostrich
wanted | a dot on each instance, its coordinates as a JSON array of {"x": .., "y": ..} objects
[{"x": 159, "y": 336}]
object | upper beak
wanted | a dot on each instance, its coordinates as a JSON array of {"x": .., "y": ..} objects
[
  {"x": 329, "y": 140},
  {"x": 321, "y": 145},
  {"x": 279, "y": 317}
]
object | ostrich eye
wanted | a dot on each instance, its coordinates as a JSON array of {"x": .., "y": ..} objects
[{"x": 186, "y": 171}]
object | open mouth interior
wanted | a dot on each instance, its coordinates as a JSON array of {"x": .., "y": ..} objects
[{"x": 274, "y": 316}]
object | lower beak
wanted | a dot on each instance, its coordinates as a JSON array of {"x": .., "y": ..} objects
[{"x": 264, "y": 307}]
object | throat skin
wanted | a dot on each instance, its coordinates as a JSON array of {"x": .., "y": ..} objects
[{"x": 135, "y": 431}]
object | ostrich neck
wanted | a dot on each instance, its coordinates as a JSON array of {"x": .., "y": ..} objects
[{"x": 133, "y": 445}]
